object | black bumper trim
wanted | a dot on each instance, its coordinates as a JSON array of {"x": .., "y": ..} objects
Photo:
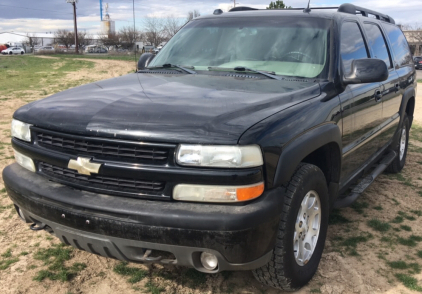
[
  {"x": 133, "y": 251},
  {"x": 241, "y": 234}
]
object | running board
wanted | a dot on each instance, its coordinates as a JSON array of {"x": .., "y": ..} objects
[{"x": 366, "y": 181}]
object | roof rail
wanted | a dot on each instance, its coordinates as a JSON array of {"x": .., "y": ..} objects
[
  {"x": 242, "y": 8},
  {"x": 345, "y": 8},
  {"x": 352, "y": 9},
  {"x": 312, "y": 8}
]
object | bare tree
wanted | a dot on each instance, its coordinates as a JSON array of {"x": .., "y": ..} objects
[
  {"x": 84, "y": 38},
  {"x": 111, "y": 39},
  {"x": 192, "y": 14},
  {"x": 64, "y": 37},
  {"x": 154, "y": 30},
  {"x": 414, "y": 31},
  {"x": 172, "y": 26},
  {"x": 128, "y": 36},
  {"x": 32, "y": 40}
]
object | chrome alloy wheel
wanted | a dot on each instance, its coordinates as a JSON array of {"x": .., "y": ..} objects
[
  {"x": 307, "y": 228},
  {"x": 403, "y": 142}
]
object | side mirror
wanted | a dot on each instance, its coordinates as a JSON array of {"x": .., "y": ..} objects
[
  {"x": 144, "y": 60},
  {"x": 367, "y": 70}
]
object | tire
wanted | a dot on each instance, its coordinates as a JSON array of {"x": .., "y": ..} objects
[
  {"x": 399, "y": 162},
  {"x": 283, "y": 271},
  {"x": 22, "y": 53},
  {"x": 10, "y": 53}
]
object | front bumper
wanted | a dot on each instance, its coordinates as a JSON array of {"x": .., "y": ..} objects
[{"x": 241, "y": 236}]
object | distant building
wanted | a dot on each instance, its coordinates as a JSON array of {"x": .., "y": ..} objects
[
  {"x": 414, "y": 38},
  {"x": 108, "y": 26},
  {"x": 20, "y": 38}
]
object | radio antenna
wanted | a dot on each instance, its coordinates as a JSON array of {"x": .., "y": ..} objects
[
  {"x": 134, "y": 35},
  {"x": 308, "y": 9}
]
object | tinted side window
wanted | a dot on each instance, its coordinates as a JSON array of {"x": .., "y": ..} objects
[
  {"x": 399, "y": 43},
  {"x": 352, "y": 45},
  {"x": 377, "y": 43}
]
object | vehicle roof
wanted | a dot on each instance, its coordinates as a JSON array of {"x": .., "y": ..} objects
[{"x": 331, "y": 13}]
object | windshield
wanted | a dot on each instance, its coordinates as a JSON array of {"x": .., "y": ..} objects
[{"x": 283, "y": 45}]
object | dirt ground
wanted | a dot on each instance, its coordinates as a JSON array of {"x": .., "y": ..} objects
[{"x": 373, "y": 247}]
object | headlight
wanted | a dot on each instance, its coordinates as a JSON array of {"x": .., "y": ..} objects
[
  {"x": 21, "y": 130},
  {"x": 24, "y": 161},
  {"x": 220, "y": 156},
  {"x": 219, "y": 194}
]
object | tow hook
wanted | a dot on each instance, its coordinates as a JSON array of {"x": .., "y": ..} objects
[{"x": 35, "y": 227}]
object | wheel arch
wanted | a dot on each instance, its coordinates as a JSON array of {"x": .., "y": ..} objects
[
  {"x": 407, "y": 107},
  {"x": 408, "y": 104},
  {"x": 410, "y": 109},
  {"x": 320, "y": 146}
]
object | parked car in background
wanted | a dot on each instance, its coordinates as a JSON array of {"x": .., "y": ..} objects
[
  {"x": 95, "y": 49},
  {"x": 418, "y": 62},
  {"x": 101, "y": 50},
  {"x": 45, "y": 49},
  {"x": 2, "y": 47},
  {"x": 160, "y": 46},
  {"x": 13, "y": 50}
]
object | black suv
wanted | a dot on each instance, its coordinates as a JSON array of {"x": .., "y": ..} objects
[{"x": 228, "y": 149}]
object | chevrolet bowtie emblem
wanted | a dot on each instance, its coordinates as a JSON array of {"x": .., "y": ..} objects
[{"x": 84, "y": 166}]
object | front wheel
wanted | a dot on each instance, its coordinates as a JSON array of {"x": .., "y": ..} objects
[
  {"x": 398, "y": 163},
  {"x": 10, "y": 53},
  {"x": 302, "y": 231}
]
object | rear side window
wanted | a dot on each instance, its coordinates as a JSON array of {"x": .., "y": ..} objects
[
  {"x": 399, "y": 43},
  {"x": 377, "y": 43},
  {"x": 352, "y": 45}
]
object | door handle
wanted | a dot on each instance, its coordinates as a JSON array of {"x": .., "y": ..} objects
[
  {"x": 378, "y": 95},
  {"x": 397, "y": 87}
]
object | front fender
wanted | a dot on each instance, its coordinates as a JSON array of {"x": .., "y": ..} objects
[{"x": 300, "y": 147}]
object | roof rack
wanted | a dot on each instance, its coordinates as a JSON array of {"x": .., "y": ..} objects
[
  {"x": 242, "y": 8},
  {"x": 352, "y": 9},
  {"x": 312, "y": 8},
  {"x": 345, "y": 8}
]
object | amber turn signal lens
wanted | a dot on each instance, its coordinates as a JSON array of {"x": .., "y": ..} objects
[
  {"x": 217, "y": 194},
  {"x": 249, "y": 193}
]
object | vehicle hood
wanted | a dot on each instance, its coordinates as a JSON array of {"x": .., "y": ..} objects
[{"x": 179, "y": 108}]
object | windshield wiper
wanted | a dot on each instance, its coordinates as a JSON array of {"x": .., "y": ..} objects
[
  {"x": 168, "y": 65},
  {"x": 270, "y": 75}
]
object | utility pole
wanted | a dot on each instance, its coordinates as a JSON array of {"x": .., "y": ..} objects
[{"x": 73, "y": 2}]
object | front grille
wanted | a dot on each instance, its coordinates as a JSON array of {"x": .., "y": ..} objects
[
  {"x": 110, "y": 185},
  {"x": 103, "y": 149}
]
